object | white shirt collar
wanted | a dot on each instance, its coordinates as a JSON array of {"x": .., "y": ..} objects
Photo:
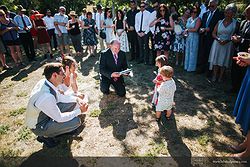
[{"x": 51, "y": 85}]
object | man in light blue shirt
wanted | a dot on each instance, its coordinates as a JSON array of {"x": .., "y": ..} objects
[
  {"x": 24, "y": 25},
  {"x": 60, "y": 22}
]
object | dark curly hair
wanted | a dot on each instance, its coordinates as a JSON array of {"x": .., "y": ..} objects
[
  {"x": 105, "y": 13},
  {"x": 167, "y": 13},
  {"x": 122, "y": 17}
]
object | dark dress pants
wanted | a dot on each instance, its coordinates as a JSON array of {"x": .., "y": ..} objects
[
  {"x": 118, "y": 85},
  {"x": 27, "y": 42},
  {"x": 144, "y": 49},
  {"x": 237, "y": 75},
  {"x": 134, "y": 46}
]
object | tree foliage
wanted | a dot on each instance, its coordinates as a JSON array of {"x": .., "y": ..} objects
[{"x": 77, "y": 5}]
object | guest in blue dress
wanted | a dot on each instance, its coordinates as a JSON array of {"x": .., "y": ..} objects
[
  {"x": 242, "y": 109},
  {"x": 192, "y": 41}
]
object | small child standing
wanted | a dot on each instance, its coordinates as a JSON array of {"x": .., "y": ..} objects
[
  {"x": 165, "y": 93},
  {"x": 160, "y": 61}
]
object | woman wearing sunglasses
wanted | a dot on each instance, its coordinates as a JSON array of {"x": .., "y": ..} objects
[{"x": 163, "y": 26}]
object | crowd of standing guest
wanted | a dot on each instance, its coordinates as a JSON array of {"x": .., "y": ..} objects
[{"x": 203, "y": 39}]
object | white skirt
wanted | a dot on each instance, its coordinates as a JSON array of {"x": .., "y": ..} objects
[{"x": 124, "y": 40}]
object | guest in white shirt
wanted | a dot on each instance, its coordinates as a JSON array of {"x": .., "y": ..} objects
[
  {"x": 60, "y": 22},
  {"x": 83, "y": 16},
  {"x": 50, "y": 113},
  {"x": 99, "y": 20},
  {"x": 49, "y": 22},
  {"x": 142, "y": 21}
]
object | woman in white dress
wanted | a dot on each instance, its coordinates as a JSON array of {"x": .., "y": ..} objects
[
  {"x": 121, "y": 34},
  {"x": 108, "y": 26},
  {"x": 222, "y": 48}
]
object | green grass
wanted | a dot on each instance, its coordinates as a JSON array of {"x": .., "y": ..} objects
[
  {"x": 210, "y": 122},
  {"x": 157, "y": 148},
  {"x": 4, "y": 129},
  {"x": 6, "y": 153},
  {"x": 16, "y": 112},
  {"x": 95, "y": 113},
  {"x": 24, "y": 134},
  {"x": 22, "y": 94},
  {"x": 24, "y": 79},
  {"x": 204, "y": 139}
]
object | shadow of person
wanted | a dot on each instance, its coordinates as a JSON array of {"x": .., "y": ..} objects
[
  {"x": 60, "y": 155},
  {"x": 118, "y": 113},
  {"x": 176, "y": 147},
  {"x": 53, "y": 157}
]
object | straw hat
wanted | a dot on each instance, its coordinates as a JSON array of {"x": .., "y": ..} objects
[
  {"x": 20, "y": 8},
  {"x": 72, "y": 13},
  {"x": 37, "y": 14}
]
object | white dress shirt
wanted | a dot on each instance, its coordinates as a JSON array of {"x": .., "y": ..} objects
[
  {"x": 82, "y": 17},
  {"x": 153, "y": 17},
  {"x": 99, "y": 18},
  {"x": 49, "y": 22},
  {"x": 47, "y": 103},
  {"x": 166, "y": 95},
  {"x": 145, "y": 22}
]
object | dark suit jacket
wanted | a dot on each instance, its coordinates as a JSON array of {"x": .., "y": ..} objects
[
  {"x": 244, "y": 32},
  {"x": 108, "y": 66},
  {"x": 218, "y": 15}
]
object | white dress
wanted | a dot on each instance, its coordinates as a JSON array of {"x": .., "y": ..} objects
[
  {"x": 166, "y": 95},
  {"x": 109, "y": 31}
]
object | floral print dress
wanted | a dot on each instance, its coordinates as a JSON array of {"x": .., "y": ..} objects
[{"x": 162, "y": 38}]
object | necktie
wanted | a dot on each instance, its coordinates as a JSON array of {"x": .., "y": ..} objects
[
  {"x": 209, "y": 19},
  {"x": 141, "y": 21},
  {"x": 115, "y": 58},
  {"x": 24, "y": 24}
]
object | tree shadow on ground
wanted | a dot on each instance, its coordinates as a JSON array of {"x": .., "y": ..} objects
[
  {"x": 26, "y": 71},
  {"x": 87, "y": 63},
  {"x": 121, "y": 119},
  {"x": 176, "y": 147},
  {"x": 60, "y": 155},
  {"x": 21, "y": 72}
]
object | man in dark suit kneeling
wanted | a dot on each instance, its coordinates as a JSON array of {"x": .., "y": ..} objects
[{"x": 113, "y": 61}]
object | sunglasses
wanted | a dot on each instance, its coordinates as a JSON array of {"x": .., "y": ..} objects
[
  {"x": 109, "y": 11},
  {"x": 162, "y": 10},
  {"x": 211, "y": 6},
  {"x": 194, "y": 11},
  {"x": 61, "y": 73},
  {"x": 142, "y": 6}
]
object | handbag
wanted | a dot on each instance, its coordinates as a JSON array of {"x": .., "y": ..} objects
[{"x": 102, "y": 34}]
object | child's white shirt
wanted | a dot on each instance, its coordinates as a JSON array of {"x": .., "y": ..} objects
[{"x": 166, "y": 95}]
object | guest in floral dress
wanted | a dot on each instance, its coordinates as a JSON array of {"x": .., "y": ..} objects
[
  {"x": 163, "y": 26},
  {"x": 178, "y": 45},
  {"x": 89, "y": 33}
]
